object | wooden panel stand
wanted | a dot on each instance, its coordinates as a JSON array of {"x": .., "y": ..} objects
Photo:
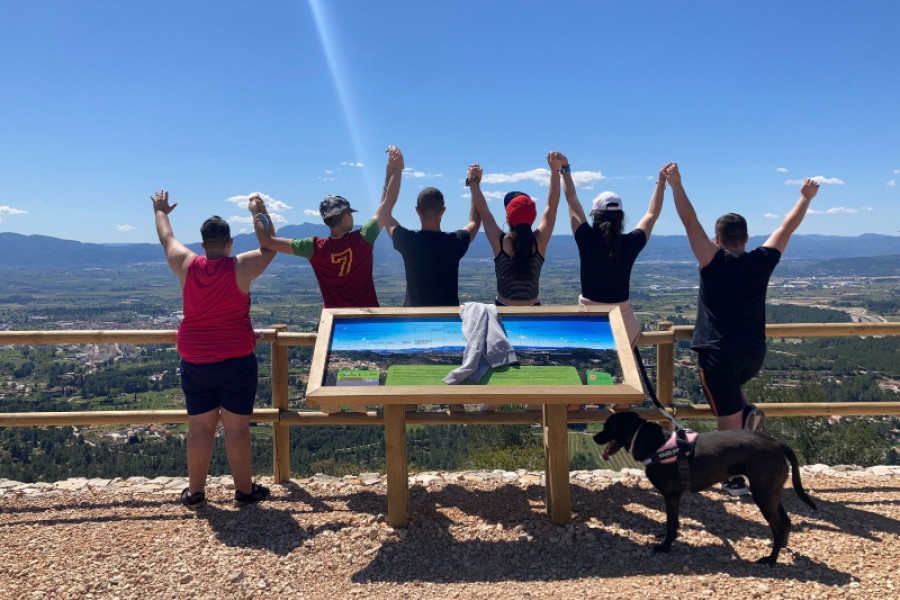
[
  {"x": 281, "y": 444},
  {"x": 396, "y": 464},
  {"x": 556, "y": 463}
]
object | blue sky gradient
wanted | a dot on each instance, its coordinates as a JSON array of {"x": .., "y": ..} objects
[{"x": 105, "y": 102}]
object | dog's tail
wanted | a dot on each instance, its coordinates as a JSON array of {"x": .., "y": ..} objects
[{"x": 795, "y": 475}]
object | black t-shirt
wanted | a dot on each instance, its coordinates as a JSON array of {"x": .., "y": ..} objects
[
  {"x": 432, "y": 260},
  {"x": 604, "y": 279},
  {"x": 731, "y": 305}
]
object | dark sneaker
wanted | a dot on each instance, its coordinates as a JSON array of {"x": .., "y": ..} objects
[
  {"x": 193, "y": 501},
  {"x": 257, "y": 494},
  {"x": 735, "y": 486},
  {"x": 753, "y": 418}
]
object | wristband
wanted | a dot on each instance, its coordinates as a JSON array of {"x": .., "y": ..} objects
[
  {"x": 471, "y": 180},
  {"x": 565, "y": 169},
  {"x": 262, "y": 217}
]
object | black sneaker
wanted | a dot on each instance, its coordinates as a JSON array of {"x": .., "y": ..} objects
[
  {"x": 257, "y": 494},
  {"x": 753, "y": 418},
  {"x": 193, "y": 501},
  {"x": 735, "y": 486}
]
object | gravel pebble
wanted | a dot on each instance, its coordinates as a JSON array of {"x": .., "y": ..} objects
[{"x": 471, "y": 535}]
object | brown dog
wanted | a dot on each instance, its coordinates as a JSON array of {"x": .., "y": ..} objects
[{"x": 716, "y": 456}]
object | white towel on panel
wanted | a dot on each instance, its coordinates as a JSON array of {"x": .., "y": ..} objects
[{"x": 486, "y": 343}]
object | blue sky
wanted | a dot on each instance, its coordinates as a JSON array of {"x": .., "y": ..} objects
[{"x": 104, "y": 102}]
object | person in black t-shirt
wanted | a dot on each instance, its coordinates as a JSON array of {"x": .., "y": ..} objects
[
  {"x": 607, "y": 255},
  {"x": 729, "y": 333},
  {"x": 431, "y": 256}
]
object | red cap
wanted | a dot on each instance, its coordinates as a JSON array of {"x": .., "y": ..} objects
[{"x": 521, "y": 210}]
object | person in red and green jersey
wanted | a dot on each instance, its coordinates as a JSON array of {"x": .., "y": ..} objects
[{"x": 342, "y": 262}]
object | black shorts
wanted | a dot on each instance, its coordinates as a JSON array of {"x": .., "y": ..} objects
[
  {"x": 722, "y": 374},
  {"x": 230, "y": 384}
]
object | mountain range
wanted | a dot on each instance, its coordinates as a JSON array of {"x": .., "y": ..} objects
[{"x": 43, "y": 251}]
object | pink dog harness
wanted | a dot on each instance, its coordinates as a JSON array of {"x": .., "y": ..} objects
[{"x": 679, "y": 446}]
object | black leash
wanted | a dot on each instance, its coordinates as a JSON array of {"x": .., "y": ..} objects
[{"x": 652, "y": 393}]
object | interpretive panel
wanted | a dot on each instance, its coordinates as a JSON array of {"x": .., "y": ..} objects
[{"x": 372, "y": 349}]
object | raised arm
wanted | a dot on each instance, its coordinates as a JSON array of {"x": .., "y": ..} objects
[
  {"x": 264, "y": 229},
  {"x": 703, "y": 247},
  {"x": 251, "y": 265},
  {"x": 576, "y": 211},
  {"x": 781, "y": 236},
  {"x": 177, "y": 254},
  {"x": 479, "y": 205},
  {"x": 393, "y": 174},
  {"x": 656, "y": 203},
  {"x": 557, "y": 163}
]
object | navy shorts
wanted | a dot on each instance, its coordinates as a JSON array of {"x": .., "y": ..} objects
[
  {"x": 722, "y": 374},
  {"x": 230, "y": 384}
]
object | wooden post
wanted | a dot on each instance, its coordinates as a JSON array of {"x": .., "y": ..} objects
[
  {"x": 556, "y": 462},
  {"x": 396, "y": 464},
  {"x": 665, "y": 367},
  {"x": 281, "y": 447}
]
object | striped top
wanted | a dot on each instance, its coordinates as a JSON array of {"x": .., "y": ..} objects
[{"x": 517, "y": 289}]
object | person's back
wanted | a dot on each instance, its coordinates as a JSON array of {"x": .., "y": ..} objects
[
  {"x": 604, "y": 277},
  {"x": 343, "y": 266},
  {"x": 731, "y": 302},
  {"x": 431, "y": 261},
  {"x": 216, "y": 323},
  {"x": 431, "y": 256}
]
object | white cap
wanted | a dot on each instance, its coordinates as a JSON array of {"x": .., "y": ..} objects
[{"x": 607, "y": 201}]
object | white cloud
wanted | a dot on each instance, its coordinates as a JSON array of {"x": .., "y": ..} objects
[
  {"x": 276, "y": 218},
  {"x": 891, "y": 183},
  {"x": 541, "y": 177},
  {"x": 125, "y": 228},
  {"x": 896, "y": 171},
  {"x": 819, "y": 178},
  {"x": 494, "y": 195},
  {"x": 841, "y": 210},
  {"x": 272, "y": 205},
  {"x": 352, "y": 164},
  {"x": 328, "y": 171},
  {"x": 781, "y": 170},
  {"x": 417, "y": 174},
  {"x": 8, "y": 210},
  {"x": 311, "y": 213},
  {"x": 772, "y": 216}
]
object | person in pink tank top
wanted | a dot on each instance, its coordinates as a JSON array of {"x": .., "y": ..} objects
[{"x": 216, "y": 342}]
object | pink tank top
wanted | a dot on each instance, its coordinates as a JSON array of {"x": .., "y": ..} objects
[{"x": 216, "y": 323}]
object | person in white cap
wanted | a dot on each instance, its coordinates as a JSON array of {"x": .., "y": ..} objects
[{"x": 607, "y": 254}]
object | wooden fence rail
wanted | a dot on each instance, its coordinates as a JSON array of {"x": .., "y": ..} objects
[{"x": 282, "y": 418}]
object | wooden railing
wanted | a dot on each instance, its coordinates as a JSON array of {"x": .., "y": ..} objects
[{"x": 282, "y": 418}]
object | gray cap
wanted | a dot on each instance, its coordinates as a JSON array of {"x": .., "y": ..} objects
[{"x": 334, "y": 205}]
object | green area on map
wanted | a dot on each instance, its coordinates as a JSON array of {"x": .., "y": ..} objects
[{"x": 599, "y": 378}]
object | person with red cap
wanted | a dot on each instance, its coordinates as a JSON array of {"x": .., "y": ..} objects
[{"x": 519, "y": 255}]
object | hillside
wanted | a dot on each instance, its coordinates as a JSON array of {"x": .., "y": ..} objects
[{"x": 42, "y": 251}]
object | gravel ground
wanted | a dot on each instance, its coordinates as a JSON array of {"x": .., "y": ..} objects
[{"x": 471, "y": 535}]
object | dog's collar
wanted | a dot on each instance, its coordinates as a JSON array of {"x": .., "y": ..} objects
[{"x": 633, "y": 438}]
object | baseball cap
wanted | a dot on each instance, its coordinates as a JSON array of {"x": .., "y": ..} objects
[
  {"x": 334, "y": 205},
  {"x": 521, "y": 210},
  {"x": 606, "y": 201}
]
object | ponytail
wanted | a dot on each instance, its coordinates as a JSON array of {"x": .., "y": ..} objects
[
  {"x": 523, "y": 243},
  {"x": 610, "y": 223}
]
